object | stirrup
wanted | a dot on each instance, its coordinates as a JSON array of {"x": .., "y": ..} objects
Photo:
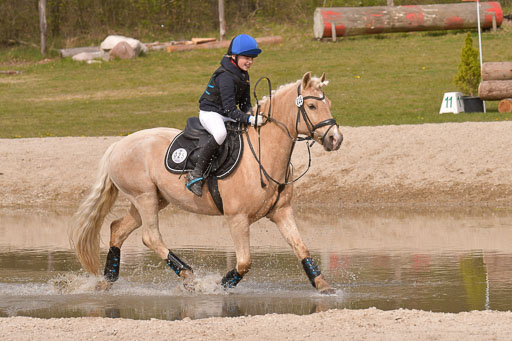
[
  {"x": 193, "y": 181},
  {"x": 195, "y": 185}
]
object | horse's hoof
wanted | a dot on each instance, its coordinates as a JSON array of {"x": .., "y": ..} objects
[
  {"x": 327, "y": 291},
  {"x": 323, "y": 287},
  {"x": 103, "y": 285},
  {"x": 189, "y": 285},
  {"x": 189, "y": 280}
]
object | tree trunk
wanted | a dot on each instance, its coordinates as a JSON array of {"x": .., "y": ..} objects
[
  {"x": 495, "y": 90},
  {"x": 42, "y": 25},
  {"x": 497, "y": 71},
  {"x": 505, "y": 105},
  {"x": 222, "y": 22},
  {"x": 349, "y": 21}
]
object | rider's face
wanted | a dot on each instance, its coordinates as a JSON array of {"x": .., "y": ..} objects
[{"x": 245, "y": 63}]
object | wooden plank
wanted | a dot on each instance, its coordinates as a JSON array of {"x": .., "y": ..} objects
[
  {"x": 222, "y": 44},
  {"x": 197, "y": 41}
]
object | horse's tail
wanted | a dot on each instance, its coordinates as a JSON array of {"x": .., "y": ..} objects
[{"x": 89, "y": 218}]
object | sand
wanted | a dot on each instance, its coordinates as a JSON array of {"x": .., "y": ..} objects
[{"x": 431, "y": 166}]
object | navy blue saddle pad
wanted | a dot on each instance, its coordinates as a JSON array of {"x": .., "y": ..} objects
[{"x": 182, "y": 153}]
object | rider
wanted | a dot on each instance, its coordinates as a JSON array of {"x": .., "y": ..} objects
[{"x": 228, "y": 88}]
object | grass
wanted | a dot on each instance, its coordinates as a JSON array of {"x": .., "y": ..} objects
[{"x": 374, "y": 80}]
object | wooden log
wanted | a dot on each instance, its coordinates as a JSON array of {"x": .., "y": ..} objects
[
  {"x": 76, "y": 50},
  {"x": 222, "y": 44},
  {"x": 496, "y": 71},
  {"x": 495, "y": 90},
  {"x": 505, "y": 105},
  {"x": 350, "y": 21}
]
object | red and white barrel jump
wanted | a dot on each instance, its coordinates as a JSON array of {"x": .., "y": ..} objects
[{"x": 350, "y": 21}]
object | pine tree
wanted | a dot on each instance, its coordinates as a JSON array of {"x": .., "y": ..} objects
[{"x": 468, "y": 72}]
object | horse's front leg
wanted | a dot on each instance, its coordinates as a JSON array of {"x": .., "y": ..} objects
[
  {"x": 285, "y": 221},
  {"x": 239, "y": 228}
]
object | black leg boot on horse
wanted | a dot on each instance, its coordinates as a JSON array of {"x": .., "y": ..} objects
[{"x": 195, "y": 179}]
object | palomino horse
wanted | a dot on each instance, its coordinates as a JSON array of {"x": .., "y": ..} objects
[{"x": 135, "y": 166}]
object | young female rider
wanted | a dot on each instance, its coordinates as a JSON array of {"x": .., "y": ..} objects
[{"x": 226, "y": 98}]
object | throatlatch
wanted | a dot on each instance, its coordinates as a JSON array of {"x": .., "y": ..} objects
[
  {"x": 311, "y": 269},
  {"x": 231, "y": 279},
  {"x": 176, "y": 264},
  {"x": 111, "y": 272}
]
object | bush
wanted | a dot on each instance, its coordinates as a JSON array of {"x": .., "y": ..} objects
[{"x": 468, "y": 72}]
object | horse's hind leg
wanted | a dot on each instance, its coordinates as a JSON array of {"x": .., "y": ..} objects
[
  {"x": 120, "y": 229},
  {"x": 285, "y": 221},
  {"x": 148, "y": 206}
]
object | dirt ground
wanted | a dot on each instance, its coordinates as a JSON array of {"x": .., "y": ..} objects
[{"x": 434, "y": 166}]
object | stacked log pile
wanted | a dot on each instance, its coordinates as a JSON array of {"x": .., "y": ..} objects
[{"x": 496, "y": 84}]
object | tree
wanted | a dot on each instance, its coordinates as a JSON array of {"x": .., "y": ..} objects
[
  {"x": 42, "y": 25},
  {"x": 468, "y": 72}
]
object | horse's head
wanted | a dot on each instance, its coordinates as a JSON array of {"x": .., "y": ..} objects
[{"x": 314, "y": 116}]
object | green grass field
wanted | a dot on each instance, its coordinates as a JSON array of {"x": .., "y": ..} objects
[{"x": 374, "y": 80}]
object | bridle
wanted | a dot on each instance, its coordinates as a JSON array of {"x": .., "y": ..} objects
[
  {"x": 301, "y": 111},
  {"x": 331, "y": 122}
]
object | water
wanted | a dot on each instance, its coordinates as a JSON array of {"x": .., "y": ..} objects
[{"x": 437, "y": 261}]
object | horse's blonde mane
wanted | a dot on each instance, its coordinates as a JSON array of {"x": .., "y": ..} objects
[{"x": 315, "y": 83}]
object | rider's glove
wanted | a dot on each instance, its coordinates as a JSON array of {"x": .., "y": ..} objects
[{"x": 253, "y": 120}]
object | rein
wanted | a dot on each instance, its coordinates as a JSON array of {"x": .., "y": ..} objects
[{"x": 301, "y": 111}]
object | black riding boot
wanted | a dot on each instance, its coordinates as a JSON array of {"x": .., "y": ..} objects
[{"x": 195, "y": 178}]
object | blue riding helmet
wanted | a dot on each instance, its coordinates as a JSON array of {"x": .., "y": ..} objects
[{"x": 244, "y": 45}]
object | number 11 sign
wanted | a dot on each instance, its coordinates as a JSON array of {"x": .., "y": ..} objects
[{"x": 452, "y": 102}]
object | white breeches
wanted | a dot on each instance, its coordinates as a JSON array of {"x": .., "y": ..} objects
[{"x": 214, "y": 123}]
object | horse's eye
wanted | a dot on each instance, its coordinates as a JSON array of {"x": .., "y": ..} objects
[{"x": 311, "y": 106}]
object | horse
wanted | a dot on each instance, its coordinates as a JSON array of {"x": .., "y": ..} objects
[{"x": 134, "y": 166}]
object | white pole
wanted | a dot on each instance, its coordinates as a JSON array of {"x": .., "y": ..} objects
[{"x": 479, "y": 40}]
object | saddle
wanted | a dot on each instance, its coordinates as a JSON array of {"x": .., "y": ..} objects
[{"x": 181, "y": 155}]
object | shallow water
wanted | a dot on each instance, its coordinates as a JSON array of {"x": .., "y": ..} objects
[{"x": 437, "y": 261}]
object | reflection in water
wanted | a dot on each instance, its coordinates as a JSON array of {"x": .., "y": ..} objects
[
  {"x": 448, "y": 263},
  {"x": 474, "y": 274}
]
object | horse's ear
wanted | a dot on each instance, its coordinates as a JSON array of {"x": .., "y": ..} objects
[
  {"x": 322, "y": 78},
  {"x": 306, "y": 79}
]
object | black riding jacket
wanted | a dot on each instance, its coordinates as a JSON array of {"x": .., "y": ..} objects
[{"x": 228, "y": 88}]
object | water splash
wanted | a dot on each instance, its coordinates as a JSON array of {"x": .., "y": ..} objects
[{"x": 74, "y": 283}]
